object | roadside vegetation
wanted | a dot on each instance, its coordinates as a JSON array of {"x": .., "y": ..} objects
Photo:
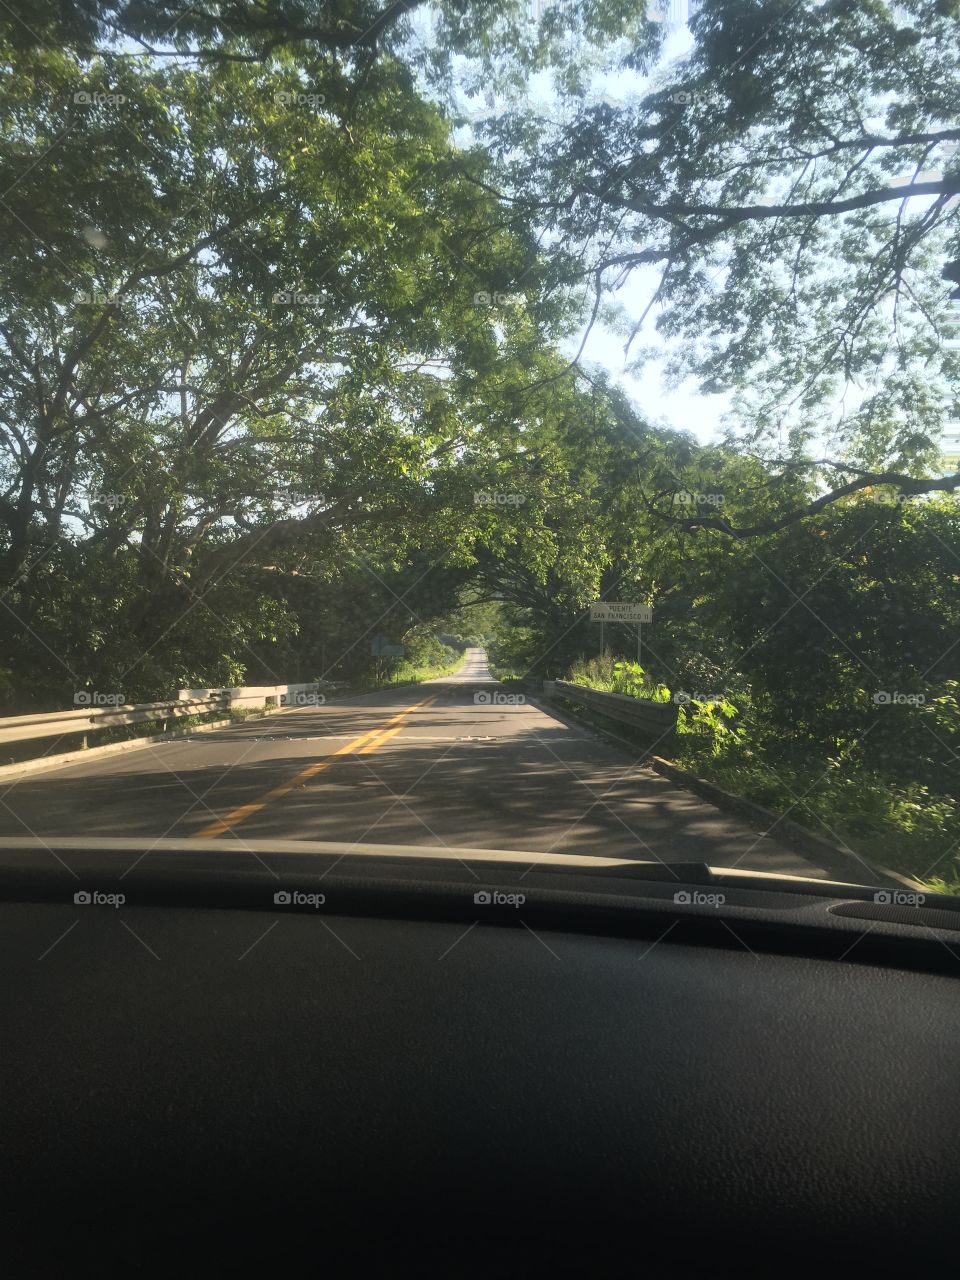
[
  {"x": 294, "y": 306},
  {"x": 445, "y": 663},
  {"x": 879, "y": 804}
]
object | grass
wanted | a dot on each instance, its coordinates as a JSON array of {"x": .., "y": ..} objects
[
  {"x": 901, "y": 826},
  {"x": 613, "y": 675},
  {"x": 406, "y": 673}
]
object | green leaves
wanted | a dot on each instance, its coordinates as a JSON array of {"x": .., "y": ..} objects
[
  {"x": 241, "y": 337},
  {"x": 766, "y": 177}
]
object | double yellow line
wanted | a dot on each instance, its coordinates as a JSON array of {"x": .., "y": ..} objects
[{"x": 365, "y": 743}]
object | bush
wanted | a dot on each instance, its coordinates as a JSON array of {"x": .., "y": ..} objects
[{"x": 615, "y": 675}]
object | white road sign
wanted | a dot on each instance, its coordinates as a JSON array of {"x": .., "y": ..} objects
[
  {"x": 617, "y": 611},
  {"x": 381, "y": 647}
]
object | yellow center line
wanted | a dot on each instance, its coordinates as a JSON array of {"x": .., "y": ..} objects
[
  {"x": 379, "y": 740},
  {"x": 366, "y": 742}
]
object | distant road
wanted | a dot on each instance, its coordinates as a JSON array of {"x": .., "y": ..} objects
[{"x": 441, "y": 763}]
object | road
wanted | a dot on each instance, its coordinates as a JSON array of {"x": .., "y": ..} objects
[{"x": 441, "y": 763}]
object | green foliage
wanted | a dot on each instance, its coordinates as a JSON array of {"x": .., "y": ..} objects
[
  {"x": 280, "y": 370},
  {"x": 439, "y": 662},
  {"x": 707, "y": 721},
  {"x": 250, "y": 357},
  {"x": 784, "y": 141},
  {"x": 618, "y": 676},
  {"x": 816, "y": 669}
]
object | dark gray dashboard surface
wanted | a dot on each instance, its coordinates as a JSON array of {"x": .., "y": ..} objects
[{"x": 399, "y": 1089}]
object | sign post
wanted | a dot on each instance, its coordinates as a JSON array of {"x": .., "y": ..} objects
[
  {"x": 381, "y": 647},
  {"x": 620, "y": 611}
]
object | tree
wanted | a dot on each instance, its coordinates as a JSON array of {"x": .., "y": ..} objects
[
  {"x": 245, "y": 317},
  {"x": 793, "y": 181}
]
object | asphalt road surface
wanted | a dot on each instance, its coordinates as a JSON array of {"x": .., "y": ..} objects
[{"x": 441, "y": 763}]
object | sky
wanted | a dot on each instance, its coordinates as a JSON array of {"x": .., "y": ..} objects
[{"x": 683, "y": 408}]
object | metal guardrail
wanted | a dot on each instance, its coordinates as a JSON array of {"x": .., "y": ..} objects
[
  {"x": 55, "y": 724},
  {"x": 256, "y": 695},
  {"x": 191, "y": 702},
  {"x": 658, "y": 720}
]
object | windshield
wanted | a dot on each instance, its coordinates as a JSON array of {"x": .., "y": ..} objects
[{"x": 503, "y": 426}]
